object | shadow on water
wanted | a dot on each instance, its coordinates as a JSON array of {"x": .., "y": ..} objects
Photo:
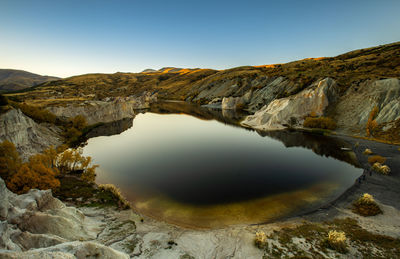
[
  {"x": 201, "y": 174},
  {"x": 319, "y": 144}
]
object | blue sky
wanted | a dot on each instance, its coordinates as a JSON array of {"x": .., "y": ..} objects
[{"x": 65, "y": 38}]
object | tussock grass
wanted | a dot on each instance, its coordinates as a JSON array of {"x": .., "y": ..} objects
[
  {"x": 122, "y": 202},
  {"x": 376, "y": 159},
  {"x": 260, "y": 240},
  {"x": 366, "y": 206},
  {"x": 336, "y": 240},
  {"x": 367, "y": 152},
  {"x": 383, "y": 169}
]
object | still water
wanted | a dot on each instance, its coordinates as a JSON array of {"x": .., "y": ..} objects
[{"x": 205, "y": 174}]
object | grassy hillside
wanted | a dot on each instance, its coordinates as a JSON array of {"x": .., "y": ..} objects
[
  {"x": 12, "y": 80},
  {"x": 349, "y": 69}
]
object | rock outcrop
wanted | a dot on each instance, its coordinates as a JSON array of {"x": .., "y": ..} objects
[
  {"x": 36, "y": 225},
  {"x": 111, "y": 109},
  {"x": 293, "y": 109},
  {"x": 28, "y": 136},
  {"x": 230, "y": 103},
  {"x": 354, "y": 107}
]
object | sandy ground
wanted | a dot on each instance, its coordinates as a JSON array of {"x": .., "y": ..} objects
[{"x": 384, "y": 188}]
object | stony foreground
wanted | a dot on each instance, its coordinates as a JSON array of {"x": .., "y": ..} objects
[{"x": 37, "y": 225}]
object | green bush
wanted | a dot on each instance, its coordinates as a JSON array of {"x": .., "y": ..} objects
[{"x": 320, "y": 123}]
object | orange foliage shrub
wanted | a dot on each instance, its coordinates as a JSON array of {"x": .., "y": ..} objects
[
  {"x": 33, "y": 176},
  {"x": 72, "y": 160},
  {"x": 321, "y": 123},
  {"x": 79, "y": 122},
  {"x": 41, "y": 171},
  {"x": 377, "y": 158},
  {"x": 372, "y": 125},
  {"x": 9, "y": 160}
]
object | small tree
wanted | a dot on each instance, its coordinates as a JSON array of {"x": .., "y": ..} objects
[
  {"x": 9, "y": 160},
  {"x": 372, "y": 125},
  {"x": 79, "y": 122}
]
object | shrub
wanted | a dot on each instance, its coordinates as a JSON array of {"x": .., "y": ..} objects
[
  {"x": 320, "y": 122},
  {"x": 260, "y": 240},
  {"x": 383, "y": 169},
  {"x": 72, "y": 135},
  {"x": 337, "y": 241},
  {"x": 79, "y": 122},
  {"x": 367, "y": 152},
  {"x": 39, "y": 173},
  {"x": 366, "y": 206},
  {"x": 10, "y": 161},
  {"x": 372, "y": 125},
  {"x": 376, "y": 159},
  {"x": 33, "y": 176},
  {"x": 72, "y": 160},
  {"x": 122, "y": 202}
]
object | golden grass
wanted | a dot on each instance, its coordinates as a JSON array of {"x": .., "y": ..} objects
[
  {"x": 383, "y": 169},
  {"x": 366, "y": 206},
  {"x": 367, "y": 152},
  {"x": 376, "y": 159},
  {"x": 122, "y": 202}
]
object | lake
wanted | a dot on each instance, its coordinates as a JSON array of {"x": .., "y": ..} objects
[{"x": 202, "y": 172}]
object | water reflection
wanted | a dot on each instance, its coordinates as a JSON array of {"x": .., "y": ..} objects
[{"x": 201, "y": 173}]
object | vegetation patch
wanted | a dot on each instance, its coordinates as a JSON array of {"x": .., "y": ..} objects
[
  {"x": 110, "y": 188},
  {"x": 366, "y": 206},
  {"x": 383, "y": 169},
  {"x": 367, "y": 152},
  {"x": 336, "y": 240},
  {"x": 376, "y": 159},
  {"x": 317, "y": 240},
  {"x": 320, "y": 123}
]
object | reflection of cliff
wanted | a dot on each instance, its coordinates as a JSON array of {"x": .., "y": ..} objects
[
  {"x": 227, "y": 117},
  {"x": 111, "y": 128},
  {"x": 319, "y": 144}
]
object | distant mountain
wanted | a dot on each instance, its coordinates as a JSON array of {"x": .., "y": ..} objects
[
  {"x": 13, "y": 80},
  {"x": 149, "y": 70}
]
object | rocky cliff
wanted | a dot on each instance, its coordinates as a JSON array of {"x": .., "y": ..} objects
[
  {"x": 108, "y": 110},
  {"x": 293, "y": 109},
  {"x": 28, "y": 136}
]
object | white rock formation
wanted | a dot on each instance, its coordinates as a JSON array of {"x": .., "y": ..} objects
[
  {"x": 278, "y": 113},
  {"x": 36, "y": 224},
  {"x": 105, "y": 111},
  {"x": 28, "y": 136},
  {"x": 354, "y": 108}
]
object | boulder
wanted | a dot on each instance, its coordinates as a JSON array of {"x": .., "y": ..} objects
[{"x": 229, "y": 103}]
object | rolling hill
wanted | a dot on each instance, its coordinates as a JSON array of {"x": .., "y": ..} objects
[{"x": 13, "y": 80}]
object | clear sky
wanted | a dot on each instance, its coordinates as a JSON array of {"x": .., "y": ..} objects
[{"x": 64, "y": 38}]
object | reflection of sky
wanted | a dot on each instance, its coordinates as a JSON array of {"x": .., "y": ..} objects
[{"x": 196, "y": 161}]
